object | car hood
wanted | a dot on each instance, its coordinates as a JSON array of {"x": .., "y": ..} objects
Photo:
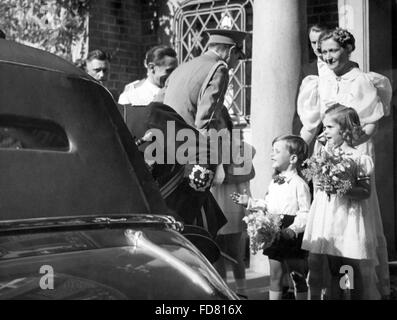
[{"x": 122, "y": 262}]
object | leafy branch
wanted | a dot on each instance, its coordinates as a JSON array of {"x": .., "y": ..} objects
[{"x": 52, "y": 25}]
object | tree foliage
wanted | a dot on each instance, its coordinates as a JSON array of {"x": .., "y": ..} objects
[{"x": 52, "y": 25}]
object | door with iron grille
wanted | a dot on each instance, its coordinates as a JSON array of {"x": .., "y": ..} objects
[{"x": 191, "y": 21}]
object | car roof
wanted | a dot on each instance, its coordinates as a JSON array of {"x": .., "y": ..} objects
[
  {"x": 13, "y": 52},
  {"x": 83, "y": 179}
]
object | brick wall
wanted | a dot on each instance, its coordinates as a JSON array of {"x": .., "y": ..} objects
[
  {"x": 322, "y": 11},
  {"x": 115, "y": 26},
  {"x": 150, "y": 23}
]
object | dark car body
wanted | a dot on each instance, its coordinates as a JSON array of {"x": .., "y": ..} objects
[{"x": 80, "y": 215}]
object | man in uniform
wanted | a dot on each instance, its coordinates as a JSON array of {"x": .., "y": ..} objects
[
  {"x": 196, "y": 89},
  {"x": 160, "y": 61},
  {"x": 193, "y": 98}
]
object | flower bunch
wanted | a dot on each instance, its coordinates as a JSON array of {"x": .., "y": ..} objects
[
  {"x": 332, "y": 171},
  {"x": 262, "y": 229}
]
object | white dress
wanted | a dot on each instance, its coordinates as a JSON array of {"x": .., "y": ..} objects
[
  {"x": 337, "y": 226},
  {"x": 233, "y": 212}
]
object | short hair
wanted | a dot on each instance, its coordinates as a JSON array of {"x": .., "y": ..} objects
[
  {"x": 318, "y": 27},
  {"x": 98, "y": 55},
  {"x": 156, "y": 54},
  {"x": 94, "y": 54},
  {"x": 343, "y": 37},
  {"x": 2, "y": 34},
  {"x": 295, "y": 145},
  {"x": 348, "y": 120}
]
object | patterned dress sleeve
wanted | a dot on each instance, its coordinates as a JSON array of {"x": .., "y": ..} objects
[{"x": 308, "y": 104}]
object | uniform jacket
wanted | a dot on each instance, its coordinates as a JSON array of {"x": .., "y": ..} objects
[{"x": 182, "y": 92}]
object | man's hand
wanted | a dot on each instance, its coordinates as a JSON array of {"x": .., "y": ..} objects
[{"x": 241, "y": 199}]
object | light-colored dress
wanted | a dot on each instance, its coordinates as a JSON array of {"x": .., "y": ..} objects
[
  {"x": 336, "y": 225},
  {"x": 343, "y": 227},
  {"x": 370, "y": 95},
  {"x": 233, "y": 212}
]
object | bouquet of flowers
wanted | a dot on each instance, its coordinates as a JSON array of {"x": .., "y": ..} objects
[
  {"x": 331, "y": 170},
  {"x": 262, "y": 229}
]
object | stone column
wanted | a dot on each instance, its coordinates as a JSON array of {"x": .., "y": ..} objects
[{"x": 276, "y": 65}]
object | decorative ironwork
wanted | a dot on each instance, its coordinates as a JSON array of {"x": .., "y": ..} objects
[{"x": 191, "y": 21}]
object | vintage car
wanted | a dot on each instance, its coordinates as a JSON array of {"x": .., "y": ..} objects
[{"x": 80, "y": 215}]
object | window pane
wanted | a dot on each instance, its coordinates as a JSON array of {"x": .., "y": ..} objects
[{"x": 28, "y": 133}]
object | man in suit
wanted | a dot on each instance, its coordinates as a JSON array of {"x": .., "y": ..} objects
[{"x": 196, "y": 89}]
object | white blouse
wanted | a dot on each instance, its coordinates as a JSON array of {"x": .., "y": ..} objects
[
  {"x": 290, "y": 198},
  {"x": 368, "y": 93}
]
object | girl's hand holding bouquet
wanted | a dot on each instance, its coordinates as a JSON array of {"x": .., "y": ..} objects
[{"x": 331, "y": 170}]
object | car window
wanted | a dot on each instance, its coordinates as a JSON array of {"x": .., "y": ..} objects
[{"x": 29, "y": 133}]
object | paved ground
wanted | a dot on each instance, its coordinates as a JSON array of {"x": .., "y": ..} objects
[{"x": 258, "y": 283}]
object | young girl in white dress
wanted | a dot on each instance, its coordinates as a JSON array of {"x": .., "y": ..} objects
[
  {"x": 338, "y": 231},
  {"x": 289, "y": 196}
]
